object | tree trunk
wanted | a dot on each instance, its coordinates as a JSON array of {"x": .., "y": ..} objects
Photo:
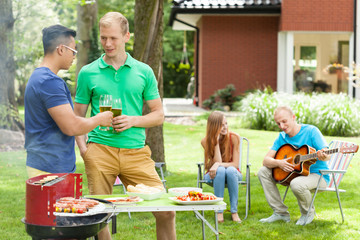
[
  {"x": 8, "y": 109},
  {"x": 7, "y": 64},
  {"x": 87, "y": 31},
  {"x": 148, "y": 42}
]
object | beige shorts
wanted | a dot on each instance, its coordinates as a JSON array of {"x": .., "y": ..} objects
[{"x": 133, "y": 166}]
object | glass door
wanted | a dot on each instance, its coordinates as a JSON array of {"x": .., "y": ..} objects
[
  {"x": 305, "y": 68},
  {"x": 320, "y": 62}
]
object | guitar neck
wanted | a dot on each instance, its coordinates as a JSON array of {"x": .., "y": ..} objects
[{"x": 314, "y": 155}]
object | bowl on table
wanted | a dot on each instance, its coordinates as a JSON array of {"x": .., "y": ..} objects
[
  {"x": 182, "y": 191},
  {"x": 147, "y": 196}
]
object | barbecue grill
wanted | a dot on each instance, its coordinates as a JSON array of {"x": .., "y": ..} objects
[{"x": 40, "y": 220}]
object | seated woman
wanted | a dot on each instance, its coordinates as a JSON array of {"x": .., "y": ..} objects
[{"x": 222, "y": 160}]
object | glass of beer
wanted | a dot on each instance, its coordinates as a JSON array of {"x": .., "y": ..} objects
[
  {"x": 105, "y": 104},
  {"x": 116, "y": 109}
]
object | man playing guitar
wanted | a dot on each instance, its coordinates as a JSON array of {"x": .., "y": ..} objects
[{"x": 296, "y": 135}]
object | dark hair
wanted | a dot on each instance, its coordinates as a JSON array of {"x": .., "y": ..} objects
[{"x": 55, "y": 35}]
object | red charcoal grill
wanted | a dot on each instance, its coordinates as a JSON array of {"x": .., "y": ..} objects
[{"x": 40, "y": 221}]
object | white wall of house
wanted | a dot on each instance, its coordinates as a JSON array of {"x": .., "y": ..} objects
[
  {"x": 284, "y": 62},
  {"x": 357, "y": 60}
]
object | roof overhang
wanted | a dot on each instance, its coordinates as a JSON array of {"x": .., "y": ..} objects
[{"x": 192, "y": 15}]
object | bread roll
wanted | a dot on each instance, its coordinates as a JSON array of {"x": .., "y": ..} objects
[{"x": 142, "y": 188}]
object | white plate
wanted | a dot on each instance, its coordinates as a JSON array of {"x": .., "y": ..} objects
[
  {"x": 200, "y": 202},
  {"x": 123, "y": 202},
  {"x": 181, "y": 191},
  {"x": 146, "y": 196},
  {"x": 92, "y": 211}
]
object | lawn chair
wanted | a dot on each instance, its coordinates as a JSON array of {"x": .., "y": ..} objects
[
  {"x": 338, "y": 165},
  {"x": 246, "y": 177}
]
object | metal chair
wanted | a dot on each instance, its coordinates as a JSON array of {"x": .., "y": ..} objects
[
  {"x": 338, "y": 165},
  {"x": 243, "y": 163}
]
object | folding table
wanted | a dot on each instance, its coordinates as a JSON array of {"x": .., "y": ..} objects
[{"x": 164, "y": 204}]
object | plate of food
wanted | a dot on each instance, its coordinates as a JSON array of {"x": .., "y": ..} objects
[
  {"x": 197, "y": 202},
  {"x": 181, "y": 191},
  {"x": 145, "y": 192},
  {"x": 68, "y": 206},
  {"x": 196, "y": 198},
  {"x": 125, "y": 200}
]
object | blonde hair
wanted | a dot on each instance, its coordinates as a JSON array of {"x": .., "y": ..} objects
[
  {"x": 213, "y": 129},
  {"x": 115, "y": 17},
  {"x": 286, "y": 108}
]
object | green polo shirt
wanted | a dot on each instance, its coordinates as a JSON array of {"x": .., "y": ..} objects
[{"x": 132, "y": 82}]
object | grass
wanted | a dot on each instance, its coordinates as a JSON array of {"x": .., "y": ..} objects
[{"x": 182, "y": 152}]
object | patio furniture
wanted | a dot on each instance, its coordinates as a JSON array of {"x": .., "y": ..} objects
[
  {"x": 338, "y": 165},
  {"x": 243, "y": 164},
  {"x": 164, "y": 204}
]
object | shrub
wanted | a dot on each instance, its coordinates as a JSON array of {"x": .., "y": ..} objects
[
  {"x": 222, "y": 99},
  {"x": 176, "y": 80},
  {"x": 333, "y": 114}
]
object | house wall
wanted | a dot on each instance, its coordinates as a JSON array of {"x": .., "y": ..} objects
[
  {"x": 316, "y": 15},
  {"x": 239, "y": 50}
]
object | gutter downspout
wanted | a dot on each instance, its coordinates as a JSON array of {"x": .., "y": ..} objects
[
  {"x": 355, "y": 10},
  {"x": 197, "y": 59}
]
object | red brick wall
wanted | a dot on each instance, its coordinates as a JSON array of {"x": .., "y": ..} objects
[
  {"x": 239, "y": 50},
  {"x": 317, "y": 15}
]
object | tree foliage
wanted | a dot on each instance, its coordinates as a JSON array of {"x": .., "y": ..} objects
[
  {"x": 176, "y": 76},
  {"x": 31, "y": 18},
  {"x": 28, "y": 48}
]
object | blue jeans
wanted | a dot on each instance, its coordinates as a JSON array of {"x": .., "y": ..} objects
[{"x": 229, "y": 176}]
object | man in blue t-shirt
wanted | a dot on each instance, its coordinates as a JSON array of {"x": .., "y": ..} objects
[
  {"x": 50, "y": 122},
  {"x": 296, "y": 135}
]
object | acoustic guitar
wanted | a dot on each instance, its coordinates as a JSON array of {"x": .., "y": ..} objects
[{"x": 302, "y": 158}]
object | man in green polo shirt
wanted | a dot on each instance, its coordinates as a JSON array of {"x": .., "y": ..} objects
[{"x": 123, "y": 153}]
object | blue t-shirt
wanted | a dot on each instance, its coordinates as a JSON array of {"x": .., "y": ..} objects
[
  {"x": 48, "y": 149},
  {"x": 308, "y": 135}
]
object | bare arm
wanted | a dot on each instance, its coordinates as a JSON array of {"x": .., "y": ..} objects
[
  {"x": 217, "y": 154},
  {"x": 80, "y": 110},
  {"x": 152, "y": 119},
  {"x": 270, "y": 162},
  {"x": 73, "y": 125},
  {"x": 217, "y": 158},
  {"x": 235, "y": 153}
]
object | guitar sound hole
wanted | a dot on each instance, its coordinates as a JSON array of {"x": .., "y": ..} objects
[{"x": 297, "y": 159}]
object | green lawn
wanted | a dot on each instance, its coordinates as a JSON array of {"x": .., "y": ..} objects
[{"x": 182, "y": 152}]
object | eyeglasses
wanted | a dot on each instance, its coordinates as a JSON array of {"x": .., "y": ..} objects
[{"x": 73, "y": 50}]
